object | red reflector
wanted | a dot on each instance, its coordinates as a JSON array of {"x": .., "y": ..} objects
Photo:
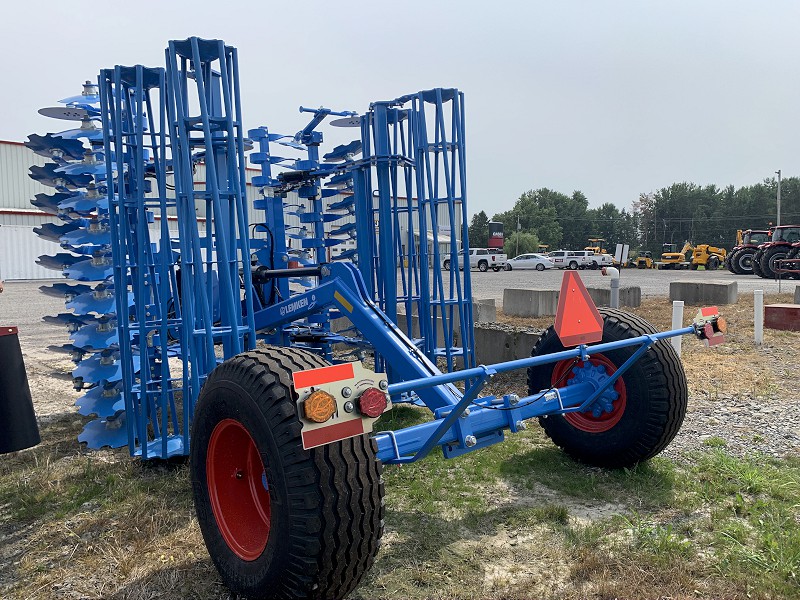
[
  {"x": 323, "y": 375},
  {"x": 577, "y": 318},
  {"x": 372, "y": 403},
  {"x": 332, "y": 433}
]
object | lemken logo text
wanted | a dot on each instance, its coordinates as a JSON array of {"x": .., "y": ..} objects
[{"x": 293, "y": 306}]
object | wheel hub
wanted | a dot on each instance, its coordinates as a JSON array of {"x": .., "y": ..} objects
[{"x": 607, "y": 409}]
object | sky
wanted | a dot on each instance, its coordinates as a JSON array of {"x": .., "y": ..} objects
[{"x": 611, "y": 97}]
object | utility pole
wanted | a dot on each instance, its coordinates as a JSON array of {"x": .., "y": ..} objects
[
  {"x": 518, "y": 228},
  {"x": 779, "y": 196}
]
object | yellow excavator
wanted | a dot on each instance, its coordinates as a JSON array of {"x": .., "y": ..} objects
[
  {"x": 703, "y": 255},
  {"x": 670, "y": 259}
]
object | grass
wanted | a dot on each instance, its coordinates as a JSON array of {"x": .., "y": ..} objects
[{"x": 516, "y": 520}]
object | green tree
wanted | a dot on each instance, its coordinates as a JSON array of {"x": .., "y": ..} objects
[
  {"x": 479, "y": 230},
  {"x": 520, "y": 242}
]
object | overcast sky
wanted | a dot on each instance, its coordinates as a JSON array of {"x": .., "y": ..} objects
[{"x": 613, "y": 98}]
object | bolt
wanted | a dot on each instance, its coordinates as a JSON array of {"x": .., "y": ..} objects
[
  {"x": 521, "y": 425},
  {"x": 349, "y": 407},
  {"x": 239, "y": 474},
  {"x": 465, "y": 414},
  {"x": 513, "y": 399},
  {"x": 346, "y": 392},
  {"x": 470, "y": 441},
  {"x": 383, "y": 384}
]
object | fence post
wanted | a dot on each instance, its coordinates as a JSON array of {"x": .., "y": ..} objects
[{"x": 758, "y": 316}]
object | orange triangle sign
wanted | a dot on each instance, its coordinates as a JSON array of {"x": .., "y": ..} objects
[{"x": 577, "y": 318}]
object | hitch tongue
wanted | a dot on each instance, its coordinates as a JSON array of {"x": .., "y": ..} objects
[{"x": 709, "y": 327}]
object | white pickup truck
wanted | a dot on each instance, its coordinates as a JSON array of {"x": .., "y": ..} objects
[
  {"x": 580, "y": 259},
  {"x": 482, "y": 259}
]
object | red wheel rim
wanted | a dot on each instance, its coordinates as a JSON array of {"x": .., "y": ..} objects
[
  {"x": 237, "y": 488},
  {"x": 586, "y": 421}
]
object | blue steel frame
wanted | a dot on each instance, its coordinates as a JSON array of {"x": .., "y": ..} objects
[{"x": 456, "y": 429}]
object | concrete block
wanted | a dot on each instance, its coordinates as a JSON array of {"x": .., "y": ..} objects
[
  {"x": 628, "y": 296},
  {"x": 785, "y": 317},
  {"x": 704, "y": 292},
  {"x": 529, "y": 303},
  {"x": 797, "y": 294},
  {"x": 484, "y": 310},
  {"x": 496, "y": 345}
]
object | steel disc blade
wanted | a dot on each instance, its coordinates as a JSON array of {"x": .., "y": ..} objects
[
  {"x": 48, "y": 175},
  {"x": 87, "y": 237},
  {"x": 53, "y": 232},
  {"x": 292, "y": 144},
  {"x": 100, "y": 302},
  {"x": 50, "y": 202},
  {"x": 346, "y": 228},
  {"x": 343, "y": 151},
  {"x": 58, "y": 262},
  {"x": 68, "y": 319},
  {"x": 326, "y": 193},
  {"x": 87, "y": 130},
  {"x": 83, "y": 203},
  {"x": 346, "y": 254},
  {"x": 97, "y": 368},
  {"x": 89, "y": 337},
  {"x": 55, "y": 148},
  {"x": 83, "y": 168},
  {"x": 76, "y": 354},
  {"x": 101, "y": 400},
  {"x": 66, "y": 113},
  {"x": 346, "y": 122},
  {"x": 110, "y": 431},
  {"x": 90, "y": 270},
  {"x": 65, "y": 290},
  {"x": 346, "y": 203}
]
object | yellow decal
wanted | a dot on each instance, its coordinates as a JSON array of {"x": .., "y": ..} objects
[{"x": 345, "y": 304}]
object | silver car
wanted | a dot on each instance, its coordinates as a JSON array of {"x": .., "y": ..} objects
[{"x": 529, "y": 261}]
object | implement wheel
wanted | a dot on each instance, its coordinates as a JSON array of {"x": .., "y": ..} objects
[
  {"x": 634, "y": 422},
  {"x": 280, "y": 521}
]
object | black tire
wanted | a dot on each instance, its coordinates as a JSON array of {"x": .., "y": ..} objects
[
  {"x": 483, "y": 266},
  {"x": 756, "y": 263},
  {"x": 573, "y": 265},
  {"x": 732, "y": 262},
  {"x": 654, "y": 391},
  {"x": 509, "y": 267},
  {"x": 324, "y": 507},
  {"x": 768, "y": 258},
  {"x": 496, "y": 268},
  {"x": 743, "y": 261},
  {"x": 595, "y": 266},
  {"x": 713, "y": 263},
  {"x": 693, "y": 266},
  {"x": 446, "y": 264},
  {"x": 540, "y": 267}
]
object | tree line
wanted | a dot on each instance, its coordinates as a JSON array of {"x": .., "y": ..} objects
[{"x": 674, "y": 214}]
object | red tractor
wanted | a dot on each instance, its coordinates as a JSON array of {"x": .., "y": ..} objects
[
  {"x": 740, "y": 258},
  {"x": 784, "y": 243}
]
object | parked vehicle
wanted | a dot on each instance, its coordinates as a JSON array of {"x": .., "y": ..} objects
[
  {"x": 572, "y": 259},
  {"x": 740, "y": 259},
  {"x": 529, "y": 261},
  {"x": 784, "y": 244},
  {"x": 645, "y": 261},
  {"x": 710, "y": 257},
  {"x": 482, "y": 259},
  {"x": 670, "y": 259}
]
